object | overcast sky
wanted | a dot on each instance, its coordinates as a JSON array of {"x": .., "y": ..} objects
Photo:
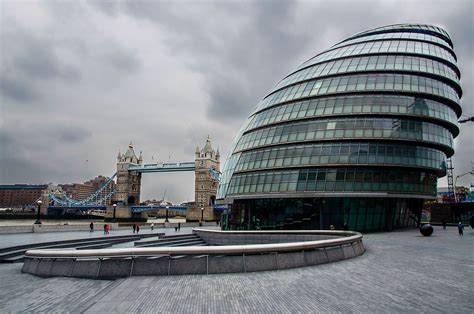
[{"x": 81, "y": 79}]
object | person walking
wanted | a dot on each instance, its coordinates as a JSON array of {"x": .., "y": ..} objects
[
  {"x": 345, "y": 226},
  {"x": 444, "y": 224},
  {"x": 91, "y": 226},
  {"x": 461, "y": 229},
  {"x": 105, "y": 228},
  {"x": 134, "y": 228},
  {"x": 179, "y": 226},
  {"x": 152, "y": 226},
  {"x": 138, "y": 228}
]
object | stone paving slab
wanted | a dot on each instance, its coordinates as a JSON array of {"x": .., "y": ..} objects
[{"x": 400, "y": 272}]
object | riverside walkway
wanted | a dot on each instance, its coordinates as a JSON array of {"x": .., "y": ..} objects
[{"x": 400, "y": 272}]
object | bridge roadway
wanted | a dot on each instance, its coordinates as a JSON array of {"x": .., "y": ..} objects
[
  {"x": 400, "y": 272},
  {"x": 164, "y": 167}
]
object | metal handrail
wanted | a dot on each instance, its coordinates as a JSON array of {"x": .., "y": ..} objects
[{"x": 349, "y": 237}]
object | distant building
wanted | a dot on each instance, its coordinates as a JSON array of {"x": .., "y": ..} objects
[
  {"x": 77, "y": 191},
  {"x": 20, "y": 195},
  {"x": 356, "y": 137},
  {"x": 100, "y": 181},
  {"x": 80, "y": 191}
]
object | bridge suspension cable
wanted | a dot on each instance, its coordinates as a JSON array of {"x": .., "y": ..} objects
[{"x": 94, "y": 198}]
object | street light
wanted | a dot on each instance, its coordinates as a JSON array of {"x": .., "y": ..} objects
[
  {"x": 456, "y": 180},
  {"x": 202, "y": 213},
  {"x": 38, "y": 222},
  {"x": 115, "y": 207}
]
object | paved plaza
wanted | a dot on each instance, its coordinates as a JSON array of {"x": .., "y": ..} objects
[{"x": 400, "y": 272}]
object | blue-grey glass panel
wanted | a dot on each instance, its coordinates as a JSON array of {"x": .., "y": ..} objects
[
  {"x": 360, "y": 104},
  {"x": 389, "y": 46},
  {"x": 371, "y": 63},
  {"x": 325, "y": 179},
  {"x": 408, "y": 27},
  {"x": 398, "y": 35},
  {"x": 361, "y": 83},
  {"x": 346, "y": 128},
  {"x": 227, "y": 174},
  {"x": 342, "y": 154}
]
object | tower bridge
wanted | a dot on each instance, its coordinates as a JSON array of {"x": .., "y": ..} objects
[{"x": 126, "y": 195}]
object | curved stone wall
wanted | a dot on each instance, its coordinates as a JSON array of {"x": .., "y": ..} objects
[{"x": 250, "y": 252}]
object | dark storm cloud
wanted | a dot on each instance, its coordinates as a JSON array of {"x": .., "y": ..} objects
[
  {"x": 16, "y": 90},
  {"x": 23, "y": 169},
  {"x": 73, "y": 135},
  {"x": 226, "y": 42},
  {"x": 36, "y": 59},
  {"x": 28, "y": 60},
  {"x": 28, "y": 150}
]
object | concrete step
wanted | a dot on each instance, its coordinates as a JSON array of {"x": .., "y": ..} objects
[
  {"x": 170, "y": 237},
  {"x": 20, "y": 258},
  {"x": 165, "y": 241},
  {"x": 16, "y": 251},
  {"x": 21, "y": 251},
  {"x": 129, "y": 238}
]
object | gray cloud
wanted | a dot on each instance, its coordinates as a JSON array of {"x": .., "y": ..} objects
[
  {"x": 79, "y": 80},
  {"x": 237, "y": 40},
  {"x": 123, "y": 61},
  {"x": 16, "y": 90},
  {"x": 73, "y": 135},
  {"x": 27, "y": 61}
]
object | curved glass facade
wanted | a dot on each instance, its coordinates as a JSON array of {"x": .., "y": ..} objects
[
  {"x": 355, "y": 137},
  {"x": 335, "y": 179},
  {"x": 398, "y": 83},
  {"x": 347, "y": 129},
  {"x": 400, "y": 35},
  {"x": 356, "y": 105},
  {"x": 407, "y": 47},
  {"x": 353, "y": 153},
  {"x": 407, "y": 64}
]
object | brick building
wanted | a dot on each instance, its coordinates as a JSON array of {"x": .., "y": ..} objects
[{"x": 19, "y": 195}]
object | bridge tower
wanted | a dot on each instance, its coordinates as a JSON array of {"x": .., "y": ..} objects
[
  {"x": 128, "y": 183},
  {"x": 205, "y": 185}
]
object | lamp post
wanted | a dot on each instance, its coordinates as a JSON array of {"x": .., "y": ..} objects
[
  {"x": 202, "y": 213},
  {"x": 38, "y": 222},
  {"x": 115, "y": 207},
  {"x": 456, "y": 180},
  {"x": 166, "y": 217}
]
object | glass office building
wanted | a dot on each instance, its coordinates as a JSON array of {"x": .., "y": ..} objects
[{"x": 356, "y": 136}]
